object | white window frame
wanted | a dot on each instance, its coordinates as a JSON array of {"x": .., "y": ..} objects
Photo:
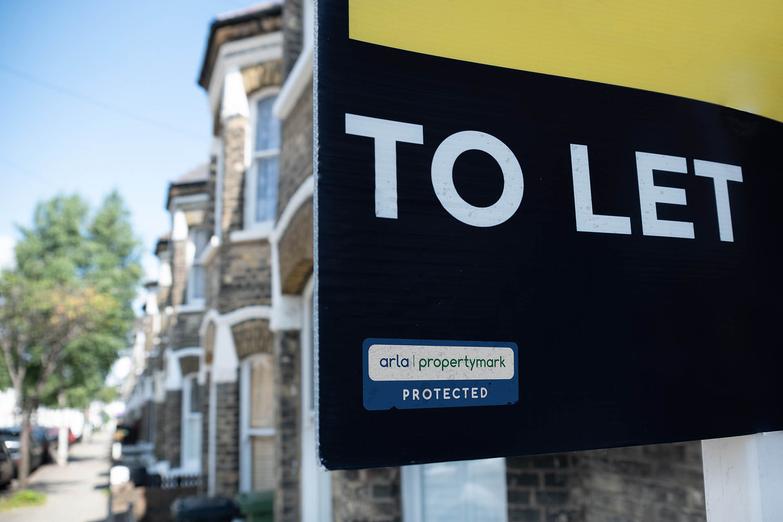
[
  {"x": 246, "y": 431},
  {"x": 308, "y": 23},
  {"x": 313, "y": 478},
  {"x": 253, "y": 156},
  {"x": 413, "y": 499},
  {"x": 187, "y": 439}
]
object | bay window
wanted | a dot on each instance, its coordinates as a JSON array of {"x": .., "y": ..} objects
[{"x": 466, "y": 491}]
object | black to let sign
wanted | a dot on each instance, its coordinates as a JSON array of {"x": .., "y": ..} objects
[{"x": 546, "y": 226}]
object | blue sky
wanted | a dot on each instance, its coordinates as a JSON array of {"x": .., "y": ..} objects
[{"x": 96, "y": 95}]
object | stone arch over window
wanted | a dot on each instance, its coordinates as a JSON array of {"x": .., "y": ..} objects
[
  {"x": 260, "y": 76},
  {"x": 252, "y": 336}
]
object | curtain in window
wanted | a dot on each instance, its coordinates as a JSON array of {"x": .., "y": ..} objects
[
  {"x": 199, "y": 237},
  {"x": 467, "y": 491},
  {"x": 262, "y": 417}
]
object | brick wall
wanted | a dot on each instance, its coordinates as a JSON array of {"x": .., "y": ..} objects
[
  {"x": 183, "y": 332},
  {"x": 205, "y": 432},
  {"x": 660, "y": 483},
  {"x": 213, "y": 277},
  {"x": 160, "y": 430},
  {"x": 172, "y": 426},
  {"x": 543, "y": 488},
  {"x": 366, "y": 495},
  {"x": 296, "y": 154},
  {"x": 292, "y": 33},
  {"x": 246, "y": 278},
  {"x": 227, "y": 440},
  {"x": 209, "y": 211},
  {"x": 178, "y": 272},
  {"x": 234, "y": 130},
  {"x": 287, "y": 438}
]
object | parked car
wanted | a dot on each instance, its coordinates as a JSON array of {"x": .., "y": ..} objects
[
  {"x": 47, "y": 437},
  {"x": 6, "y": 466},
  {"x": 11, "y": 438},
  {"x": 54, "y": 434}
]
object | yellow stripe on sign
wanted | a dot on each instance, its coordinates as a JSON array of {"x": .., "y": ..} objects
[{"x": 728, "y": 52}]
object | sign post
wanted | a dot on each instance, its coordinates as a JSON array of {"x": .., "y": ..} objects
[
  {"x": 535, "y": 235},
  {"x": 743, "y": 478}
]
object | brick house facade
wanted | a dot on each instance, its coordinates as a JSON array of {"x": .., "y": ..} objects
[
  {"x": 165, "y": 403},
  {"x": 248, "y": 347}
]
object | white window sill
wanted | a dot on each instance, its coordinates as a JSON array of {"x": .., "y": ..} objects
[
  {"x": 190, "y": 308},
  {"x": 256, "y": 233}
]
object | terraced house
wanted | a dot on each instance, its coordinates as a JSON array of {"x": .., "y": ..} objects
[{"x": 228, "y": 387}]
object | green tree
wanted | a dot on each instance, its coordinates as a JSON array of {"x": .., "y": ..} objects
[{"x": 66, "y": 306}]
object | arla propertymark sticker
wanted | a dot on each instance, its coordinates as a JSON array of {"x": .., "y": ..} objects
[{"x": 410, "y": 373}]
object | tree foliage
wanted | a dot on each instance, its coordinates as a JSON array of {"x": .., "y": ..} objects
[{"x": 65, "y": 308}]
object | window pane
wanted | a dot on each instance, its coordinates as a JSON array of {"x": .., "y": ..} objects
[
  {"x": 468, "y": 491},
  {"x": 193, "y": 439},
  {"x": 267, "y": 126},
  {"x": 262, "y": 400},
  {"x": 266, "y": 188},
  {"x": 197, "y": 282},
  {"x": 263, "y": 463},
  {"x": 195, "y": 397},
  {"x": 200, "y": 239}
]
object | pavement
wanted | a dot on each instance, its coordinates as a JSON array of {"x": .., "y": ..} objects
[{"x": 75, "y": 492}]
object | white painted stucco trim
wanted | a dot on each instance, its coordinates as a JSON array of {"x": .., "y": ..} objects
[
  {"x": 173, "y": 370},
  {"x": 224, "y": 360},
  {"x": 234, "y": 97},
  {"x": 259, "y": 232},
  {"x": 179, "y": 226}
]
